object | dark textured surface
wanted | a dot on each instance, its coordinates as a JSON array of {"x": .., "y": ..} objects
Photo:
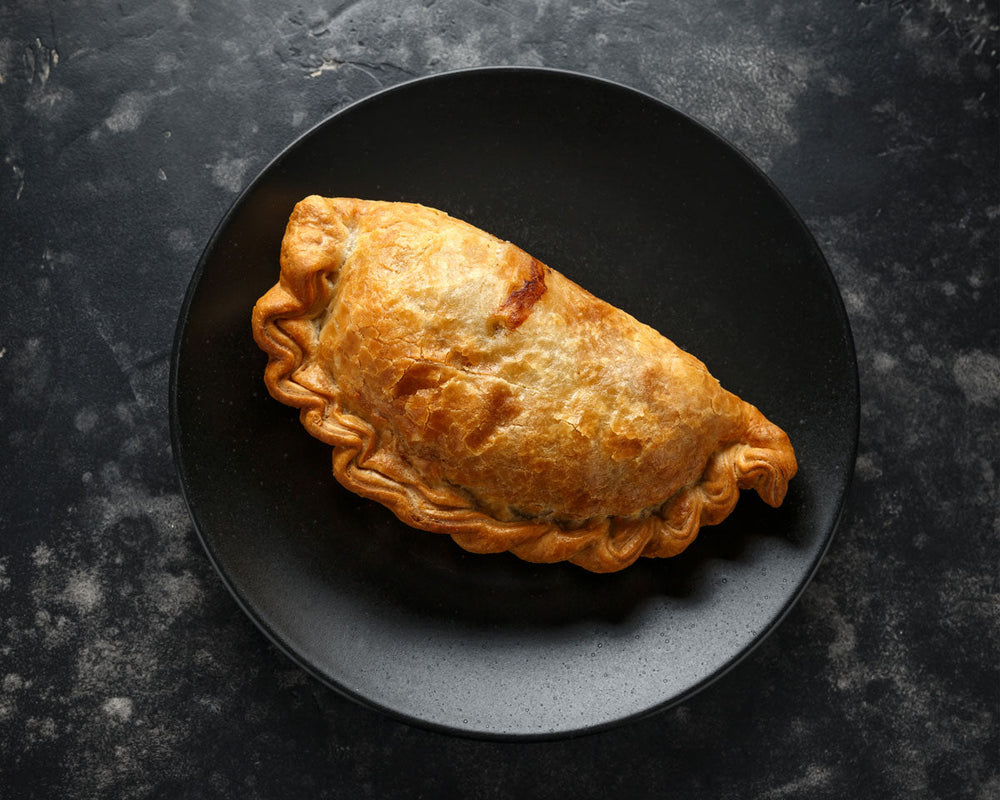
[{"x": 126, "y": 131}]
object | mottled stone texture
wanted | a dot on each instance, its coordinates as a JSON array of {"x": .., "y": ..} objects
[{"x": 127, "y": 129}]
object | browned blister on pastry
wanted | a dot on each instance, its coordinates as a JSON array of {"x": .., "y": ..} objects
[{"x": 476, "y": 392}]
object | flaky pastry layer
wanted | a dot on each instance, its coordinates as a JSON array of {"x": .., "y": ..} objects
[{"x": 476, "y": 392}]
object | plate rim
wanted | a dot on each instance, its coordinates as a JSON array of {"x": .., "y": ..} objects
[{"x": 329, "y": 682}]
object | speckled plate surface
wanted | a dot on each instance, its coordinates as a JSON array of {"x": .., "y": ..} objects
[{"x": 643, "y": 207}]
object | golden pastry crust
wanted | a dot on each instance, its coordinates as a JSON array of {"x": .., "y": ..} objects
[{"x": 476, "y": 392}]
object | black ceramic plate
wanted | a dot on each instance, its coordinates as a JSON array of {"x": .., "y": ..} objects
[{"x": 648, "y": 210}]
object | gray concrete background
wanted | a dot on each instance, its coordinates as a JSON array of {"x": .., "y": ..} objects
[{"x": 126, "y": 131}]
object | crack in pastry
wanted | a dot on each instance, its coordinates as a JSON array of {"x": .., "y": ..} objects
[
  {"x": 516, "y": 307},
  {"x": 476, "y": 392}
]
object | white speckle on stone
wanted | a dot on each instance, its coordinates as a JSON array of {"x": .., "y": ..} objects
[
  {"x": 55, "y": 631},
  {"x": 726, "y": 80},
  {"x": 6, "y": 57},
  {"x": 180, "y": 240},
  {"x": 147, "y": 384},
  {"x": 118, "y": 708},
  {"x": 12, "y": 682},
  {"x": 42, "y": 555},
  {"x": 174, "y": 593},
  {"x": 856, "y": 303},
  {"x": 83, "y": 591},
  {"x": 166, "y": 62},
  {"x": 4, "y": 578},
  {"x": 39, "y": 729},
  {"x": 19, "y": 177},
  {"x": 132, "y": 446},
  {"x": 848, "y": 671},
  {"x": 161, "y": 174},
  {"x": 978, "y": 376},
  {"x": 991, "y": 788},
  {"x": 839, "y": 85},
  {"x": 866, "y": 467},
  {"x": 883, "y": 362},
  {"x": 815, "y": 777},
  {"x": 128, "y": 113},
  {"x": 34, "y": 369},
  {"x": 843, "y": 646},
  {"x": 211, "y": 703},
  {"x": 228, "y": 173},
  {"x": 39, "y": 61},
  {"x": 85, "y": 420},
  {"x": 127, "y": 500}
]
